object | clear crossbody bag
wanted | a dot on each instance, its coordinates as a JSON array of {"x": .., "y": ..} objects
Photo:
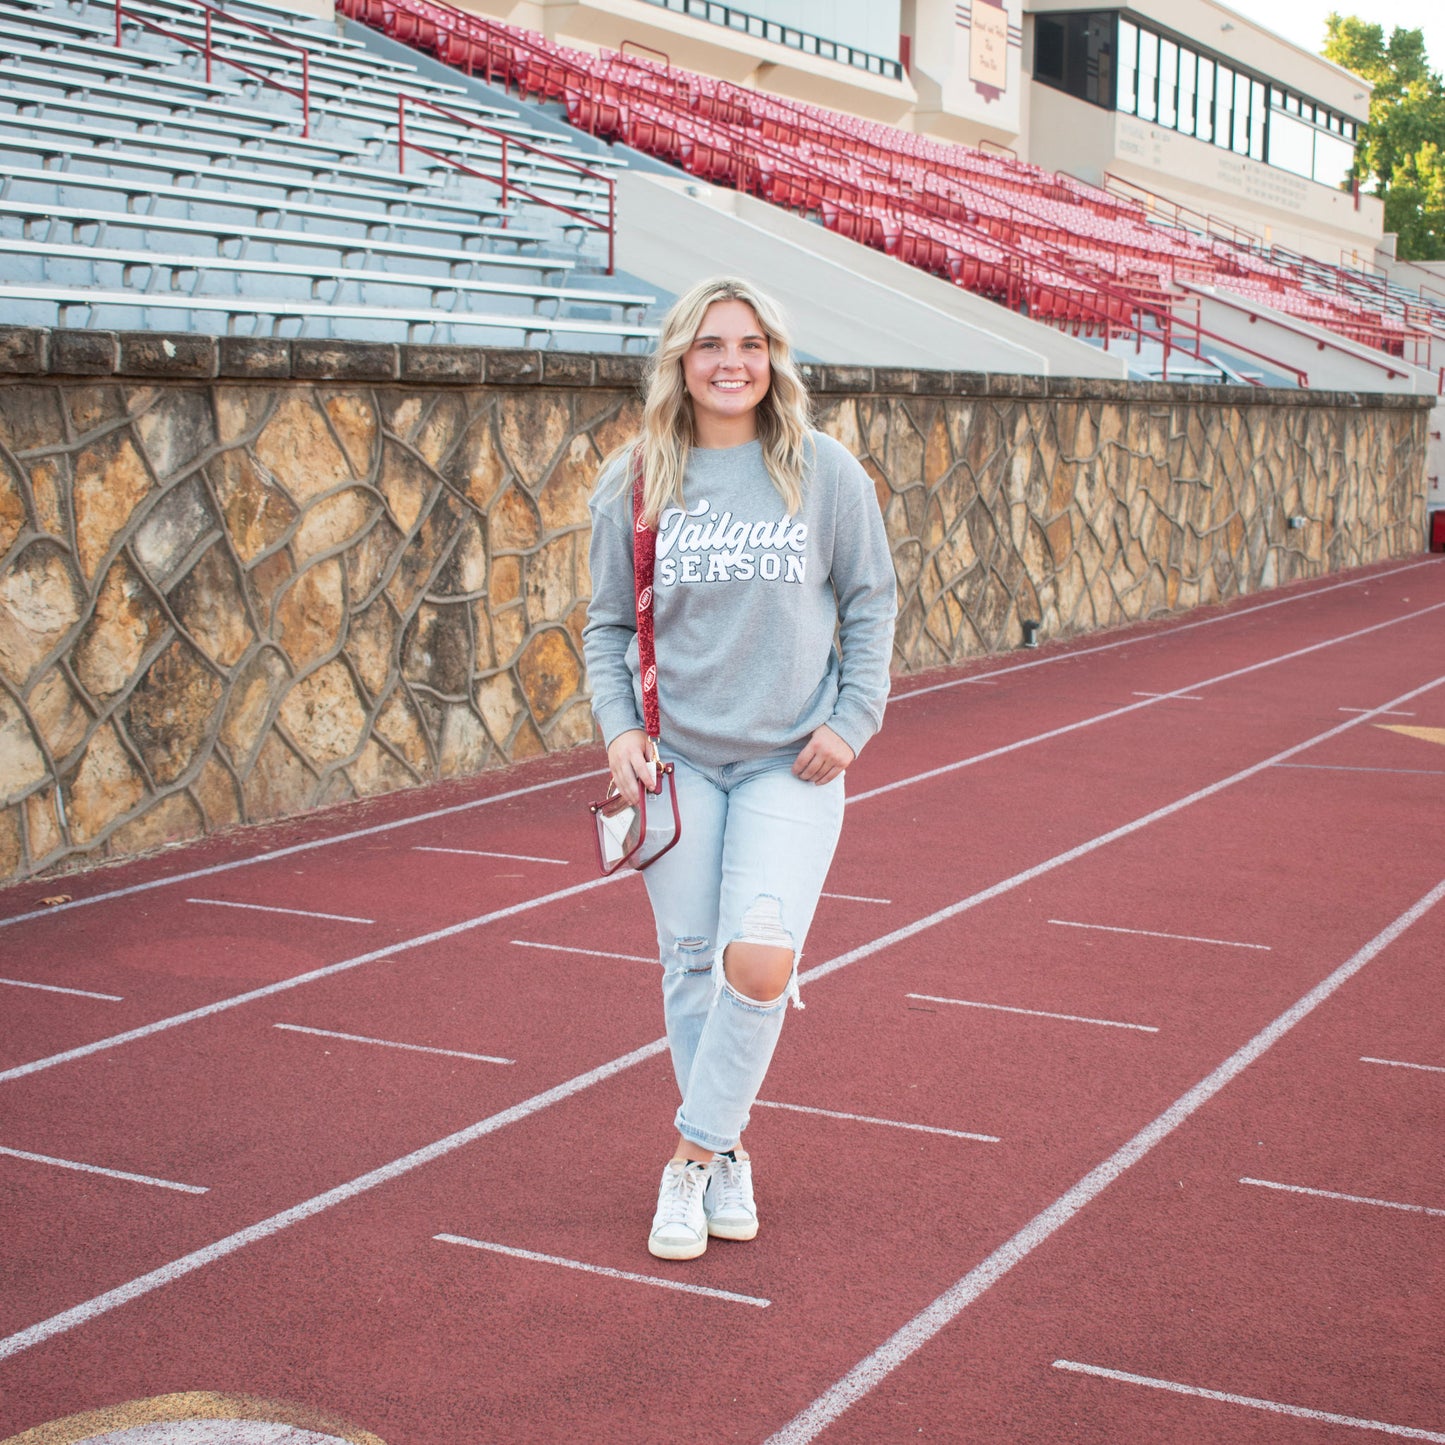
[{"x": 628, "y": 836}]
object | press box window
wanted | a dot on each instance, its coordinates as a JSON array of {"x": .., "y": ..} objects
[{"x": 1075, "y": 53}]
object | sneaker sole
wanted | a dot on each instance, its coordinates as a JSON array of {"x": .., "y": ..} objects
[
  {"x": 733, "y": 1231},
  {"x": 661, "y": 1249}
]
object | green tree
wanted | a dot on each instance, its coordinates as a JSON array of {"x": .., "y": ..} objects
[{"x": 1401, "y": 151}]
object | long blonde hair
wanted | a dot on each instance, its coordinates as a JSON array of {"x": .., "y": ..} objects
[{"x": 668, "y": 427}]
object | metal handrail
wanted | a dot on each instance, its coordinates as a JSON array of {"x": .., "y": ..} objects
[
  {"x": 507, "y": 184},
  {"x": 210, "y": 52}
]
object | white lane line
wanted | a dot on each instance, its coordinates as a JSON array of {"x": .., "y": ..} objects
[
  {"x": 56, "y": 988},
  {"x": 1346, "y": 1198},
  {"x": 482, "y": 853},
  {"x": 997, "y": 1264},
  {"x": 165, "y": 1274},
  {"x": 868, "y": 1119},
  {"x": 1177, "y": 696},
  {"x": 856, "y": 898},
  {"x": 327, "y": 971},
  {"x": 1401, "y": 1064},
  {"x": 392, "y": 1044},
  {"x": 1225, "y": 1397},
  {"x": 267, "y": 908},
  {"x": 109, "y": 1173},
  {"x": 1156, "y": 636},
  {"x": 589, "y": 952},
  {"x": 652, "y": 1279},
  {"x": 1131, "y": 707},
  {"x": 1033, "y": 1012},
  {"x": 874, "y": 1368},
  {"x": 1342, "y": 768},
  {"x": 1383, "y": 714},
  {"x": 1149, "y": 933},
  {"x": 292, "y": 849}
]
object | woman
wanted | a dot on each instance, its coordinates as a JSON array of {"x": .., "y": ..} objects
[{"x": 769, "y": 540}]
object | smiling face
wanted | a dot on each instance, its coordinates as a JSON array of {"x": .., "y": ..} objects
[{"x": 727, "y": 373}]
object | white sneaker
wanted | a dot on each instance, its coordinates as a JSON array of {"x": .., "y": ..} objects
[
  {"x": 728, "y": 1203},
  {"x": 679, "y": 1228}
]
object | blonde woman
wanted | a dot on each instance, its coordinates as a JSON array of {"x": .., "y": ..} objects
[{"x": 769, "y": 544}]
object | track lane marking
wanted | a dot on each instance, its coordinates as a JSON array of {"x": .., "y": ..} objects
[
  {"x": 1383, "y": 714},
  {"x": 268, "y": 908},
  {"x": 392, "y": 1044},
  {"x": 56, "y": 988},
  {"x": 309, "y": 846},
  {"x": 1150, "y": 933},
  {"x": 482, "y": 853},
  {"x": 1344, "y": 1198},
  {"x": 875, "y": 1367},
  {"x": 998, "y": 1264},
  {"x": 856, "y": 898},
  {"x": 144, "y": 1031},
  {"x": 1162, "y": 633},
  {"x": 1177, "y": 696},
  {"x": 625, "y": 1274},
  {"x": 1342, "y": 768},
  {"x": 1037, "y": 1013},
  {"x": 1005, "y": 748},
  {"x": 1225, "y": 1397},
  {"x": 1401, "y": 1064},
  {"x": 98, "y": 1169},
  {"x": 590, "y": 952},
  {"x": 868, "y": 1119}
]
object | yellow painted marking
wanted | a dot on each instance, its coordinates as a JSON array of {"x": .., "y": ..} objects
[{"x": 1428, "y": 735}]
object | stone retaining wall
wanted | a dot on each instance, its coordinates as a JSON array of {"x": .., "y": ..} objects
[{"x": 244, "y": 577}]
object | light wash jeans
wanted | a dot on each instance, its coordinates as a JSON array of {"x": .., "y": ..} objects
[{"x": 755, "y": 849}]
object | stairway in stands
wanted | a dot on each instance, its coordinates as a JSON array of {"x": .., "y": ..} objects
[{"x": 291, "y": 182}]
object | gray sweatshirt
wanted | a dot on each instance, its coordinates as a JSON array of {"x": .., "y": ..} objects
[{"x": 747, "y": 601}]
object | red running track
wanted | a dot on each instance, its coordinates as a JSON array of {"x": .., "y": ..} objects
[{"x": 1115, "y": 1114}]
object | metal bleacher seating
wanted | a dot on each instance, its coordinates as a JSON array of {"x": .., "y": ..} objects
[{"x": 136, "y": 192}]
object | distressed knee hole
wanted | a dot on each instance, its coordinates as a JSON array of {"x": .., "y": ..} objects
[
  {"x": 763, "y": 924},
  {"x": 690, "y": 955}
]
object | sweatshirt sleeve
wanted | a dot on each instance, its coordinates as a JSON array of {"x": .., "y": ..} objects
[
  {"x": 611, "y": 627},
  {"x": 867, "y": 591}
]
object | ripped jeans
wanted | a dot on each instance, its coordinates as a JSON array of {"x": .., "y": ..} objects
[{"x": 755, "y": 849}]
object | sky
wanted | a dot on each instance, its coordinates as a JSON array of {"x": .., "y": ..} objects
[{"x": 1303, "y": 21}]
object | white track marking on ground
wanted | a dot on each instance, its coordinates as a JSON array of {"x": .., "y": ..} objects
[
  {"x": 1342, "y": 768},
  {"x": 1226, "y": 1398},
  {"x": 109, "y": 1173},
  {"x": 1013, "y": 747},
  {"x": 1383, "y": 714},
  {"x": 1162, "y": 633},
  {"x": 392, "y": 1044},
  {"x": 1345, "y": 1198},
  {"x": 1401, "y": 1064},
  {"x": 281, "y": 985},
  {"x": 979, "y": 1280},
  {"x": 293, "y": 849},
  {"x": 482, "y": 853},
  {"x": 589, "y": 952},
  {"x": 874, "y": 1368},
  {"x": 856, "y": 898},
  {"x": 434, "y": 813},
  {"x": 188, "y": 1263},
  {"x": 1149, "y": 933},
  {"x": 652, "y": 1279},
  {"x": 1033, "y": 1012},
  {"x": 1177, "y": 696},
  {"x": 267, "y": 908},
  {"x": 869, "y": 1119},
  {"x": 56, "y": 988}
]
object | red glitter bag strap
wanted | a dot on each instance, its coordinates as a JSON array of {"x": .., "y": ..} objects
[{"x": 644, "y": 558}]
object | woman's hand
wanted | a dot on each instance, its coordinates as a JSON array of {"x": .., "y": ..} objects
[
  {"x": 826, "y": 757},
  {"x": 629, "y": 755}
]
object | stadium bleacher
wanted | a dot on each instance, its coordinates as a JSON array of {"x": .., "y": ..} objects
[
  {"x": 248, "y": 169},
  {"x": 1084, "y": 258}
]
